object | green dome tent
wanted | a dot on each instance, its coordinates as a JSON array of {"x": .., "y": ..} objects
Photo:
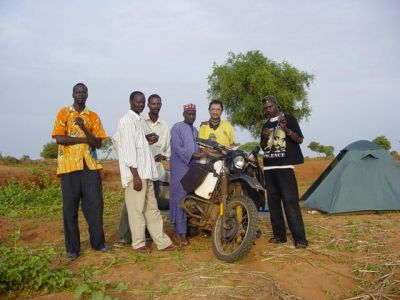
[{"x": 362, "y": 177}]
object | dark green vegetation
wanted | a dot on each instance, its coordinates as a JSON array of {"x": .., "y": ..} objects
[
  {"x": 107, "y": 146},
  {"x": 244, "y": 79},
  {"x": 42, "y": 197},
  {"x": 29, "y": 271},
  {"x": 22, "y": 268},
  {"x": 383, "y": 142},
  {"x": 321, "y": 149},
  {"x": 248, "y": 147},
  {"x": 350, "y": 256},
  {"x": 50, "y": 150}
]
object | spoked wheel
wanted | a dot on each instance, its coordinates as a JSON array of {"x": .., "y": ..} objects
[{"x": 234, "y": 239}]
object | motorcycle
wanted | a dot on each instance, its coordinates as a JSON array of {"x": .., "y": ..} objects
[{"x": 223, "y": 197}]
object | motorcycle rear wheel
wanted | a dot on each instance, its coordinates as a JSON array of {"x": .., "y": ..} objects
[{"x": 235, "y": 240}]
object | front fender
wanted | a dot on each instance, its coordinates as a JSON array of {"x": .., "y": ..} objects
[{"x": 251, "y": 181}]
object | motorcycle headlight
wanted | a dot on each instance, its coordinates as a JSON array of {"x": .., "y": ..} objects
[{"x": 239, "y": 162}]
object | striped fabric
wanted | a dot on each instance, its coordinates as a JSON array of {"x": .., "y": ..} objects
[
  {"x": 163, "y": 145},
  {"x": 134, "y": 150}
]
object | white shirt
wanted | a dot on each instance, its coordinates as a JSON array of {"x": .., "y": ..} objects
[
  {"x": 163, "y": 145},
  {"x": 133, "y": 149}
]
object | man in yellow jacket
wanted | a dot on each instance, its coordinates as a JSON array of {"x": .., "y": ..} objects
[{"x": 216, "y": 129}]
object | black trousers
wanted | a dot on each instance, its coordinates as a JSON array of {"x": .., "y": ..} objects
[
  {"x": 281, "y": 187},
  {"x": 124, "y": 230},
  {"x": 85, "y": 187}
]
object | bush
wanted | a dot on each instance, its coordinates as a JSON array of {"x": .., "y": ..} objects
[
  {"x": 42, "y": 197},
  {"x": 22, "y": 268},
  {"x": 249, "y": 146},
  {"x": 50, "y": 150},
  {"x": 383, "y": 142},
  {"x": 9, "y": 159},
  {"x": 25, "y": 158}
]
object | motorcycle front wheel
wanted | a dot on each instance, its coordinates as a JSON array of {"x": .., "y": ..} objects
[{"x": 233, "y": 239}]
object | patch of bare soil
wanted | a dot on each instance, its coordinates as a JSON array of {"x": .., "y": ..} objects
[{"x": 349, "y": 257}]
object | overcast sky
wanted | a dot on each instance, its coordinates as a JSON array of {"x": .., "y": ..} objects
[{"x": 169, "y": 47}]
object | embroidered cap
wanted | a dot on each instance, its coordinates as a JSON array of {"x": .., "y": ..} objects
[{"x": 189, "y": 107}]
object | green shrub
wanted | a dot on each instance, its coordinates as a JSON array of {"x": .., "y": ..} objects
[
  {"x": 50, "y": 150},
  {"x": 8, "y": 160},
  {"x": 42, "y": 197},
  {"x": 23, "y": 268}
]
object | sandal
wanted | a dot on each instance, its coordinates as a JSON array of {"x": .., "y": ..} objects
[{"x": 171, "y": 247}]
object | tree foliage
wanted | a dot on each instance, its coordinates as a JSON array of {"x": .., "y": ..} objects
[
  {"x": 107, "y": 146},
  {"x": 50, "y": 150},
  {"x": 383, "y": 142},
  {"x": 245, "y": 78},
  {"x": 321, "y": 149},
  {"x": 394, "y": 154},
  {"x": 249, "y": 146}
]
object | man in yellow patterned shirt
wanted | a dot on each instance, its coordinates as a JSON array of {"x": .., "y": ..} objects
[
  {"x": 216, "y": 129},
  {"x": 79, "y": 132}
]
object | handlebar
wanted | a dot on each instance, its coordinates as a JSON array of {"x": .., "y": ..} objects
[{"x": 212, "y": 145}]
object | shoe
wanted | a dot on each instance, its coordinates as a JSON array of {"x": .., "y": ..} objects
[
  {"x": 183, "y": 242},
  {"x": 171, "y": 247},
  {"x": 300, "y": 245},
  {"x": 258, "y": 233},
  {"x": 72, "y": 255},
  {"x": 120, "y": 244},
  {"x": 276, "y": 240},
  {"x": 143, "y": 249},
  {"x": 104, "y": 248}
]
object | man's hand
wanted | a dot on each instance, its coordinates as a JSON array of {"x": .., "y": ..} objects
[
  {"x": 80, "y": 122},
  {"x": 283, "y": 123},
  {"x": 266, "y": 132},
  {"x": 159, "y": 157},
  {"x": 152, "y": 138},
  {"x": 197, "y": 155},
  {"x": 137, "y": 183}
]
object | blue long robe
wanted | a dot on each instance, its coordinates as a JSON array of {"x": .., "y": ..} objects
[{"x": 183, "y": 145}]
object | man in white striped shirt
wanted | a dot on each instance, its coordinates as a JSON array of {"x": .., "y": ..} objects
[{"x": 138, "y": 170}]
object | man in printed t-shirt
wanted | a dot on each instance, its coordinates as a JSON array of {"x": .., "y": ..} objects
[{"x": 281, "y": 137}]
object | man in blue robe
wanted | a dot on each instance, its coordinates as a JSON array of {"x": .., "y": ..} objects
[{"x": 184, "y": 152}]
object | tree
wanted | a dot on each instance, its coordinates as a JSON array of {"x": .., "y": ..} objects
[
  {"x": 107, "y": 146},
  {"x": 328, "y": 151},
  {"x": 25, "y": 158},
  {"x": 317, "y": 147},
  {"x": 249, "y": 146},
  {"x": 50, "y": 150},
  {"x": 394, "y": 154},
  {"x": 245, "y": 78},
  {"x": 383, "y": 142},
  {"x": 314, "y": 146}
]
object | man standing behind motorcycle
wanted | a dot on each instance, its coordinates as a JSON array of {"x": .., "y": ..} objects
[
  {"x": 216, "y": 129},
  {"x": 184, "y": 152},
  {"x": 280, "y": 179}
]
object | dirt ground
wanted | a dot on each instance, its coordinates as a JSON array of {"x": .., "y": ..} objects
[{"x": 349, "y": 257}]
